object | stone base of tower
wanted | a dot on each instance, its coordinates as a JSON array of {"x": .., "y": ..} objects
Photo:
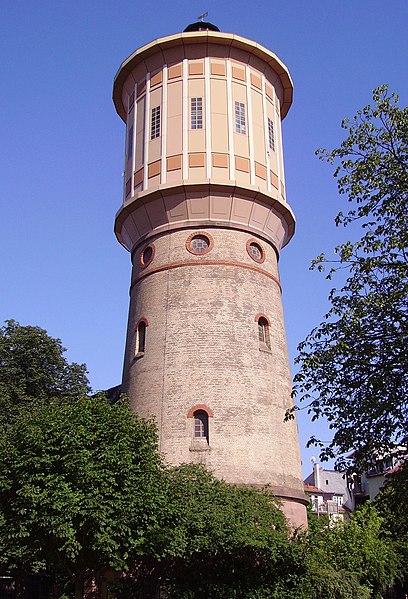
[
  {"x": 293, "y": 504},
  {"x": 295, "y": 511}
]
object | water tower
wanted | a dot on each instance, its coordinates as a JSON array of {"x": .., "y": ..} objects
[{"x": 205, "y": 216}]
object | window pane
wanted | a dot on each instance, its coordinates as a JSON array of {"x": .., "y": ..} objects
[
  {"x": 200, "y": 244},
  {"x": 201, "y": 424},
  {"x": 263, "y": 332},
  {"x": 196, "y": 113},
  {"x": 141, "y": 337},
  {"x": 240, "y": 122},
  {"x": 271, "y": 135},
  {"x": 155, "y": 124}
]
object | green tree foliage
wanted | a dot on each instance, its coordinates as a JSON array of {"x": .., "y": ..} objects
[
  {"x": 354, "y": 365},
  {"x": 218, "y": 541},
  {"x": 392, "y": 504},
  {"x": 79, "y": 487},
  {"x": 226, "y": 542},
  {"x": 32, "y": 366},
  {"x": 360, "y": 547}
]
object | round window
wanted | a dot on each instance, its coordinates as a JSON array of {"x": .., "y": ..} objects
[
  {"x": 255, "y": 251},
  {"x": 199, "y": 243},
  {"x": 147, "y": 255}
]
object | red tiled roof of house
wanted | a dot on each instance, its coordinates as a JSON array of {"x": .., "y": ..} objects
[{"x": 312, "y": 489}]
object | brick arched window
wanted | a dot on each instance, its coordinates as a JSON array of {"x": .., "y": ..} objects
[
  {"x": 263, "y": 331},
  {"x": 200, "y": 415},
  {"x": 140, "y": 345},
  {"x": 201, "y": 425}
]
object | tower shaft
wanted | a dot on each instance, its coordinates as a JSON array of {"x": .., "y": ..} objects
[{"x": 204, "y": 217}]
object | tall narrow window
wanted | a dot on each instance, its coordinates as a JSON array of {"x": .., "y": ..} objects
[
  {"x": 263, "y": 332},
  {"x": 196, "y": 113},
  {"x": 201, "y": 425},
  {"x": 271, "y": 135},
  {"x": 130, "y": 143},
  {"x": 155, "y": 123},
  {"x": 140, "y": 338},
  {"x": 240, "y": 121}
]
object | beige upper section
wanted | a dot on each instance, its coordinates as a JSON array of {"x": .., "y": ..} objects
[
  {"x": 203, "y": 109},
  {"x": 155, "y": 54}
]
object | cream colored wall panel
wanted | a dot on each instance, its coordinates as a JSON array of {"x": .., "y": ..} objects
[
  {"x": 155, "y": 148},
  {"x": 220, "y": 174},
  {"x": 273, "y": 161},
  {"x": 156, "y": 97},
  {"x": 259, "y": 144},
  {"x": 242, "y": 178},
  {"x": 257, "y": 108},
  {"x": 139, "y": 146},
  {"x": 239, "y": 92},
  {"x": 261, "y": 183},
  {"x": 141, "y": 103},
  {"x": 196, "y": 140},
  {"x": 139, "y": 150},
  {"x": 219, "y": 130},
  {"x": 241, "y": 144},
  {"x": 218, "y": 96},
  {"x": 197, "y": 174},
  {"x": 174, "y": 176},
  {"x": 174, "y": 135},
  {"x": 174, "y": 98},
  {"x": 196, "y": 88},
  {"x": 153, "y": 182}
]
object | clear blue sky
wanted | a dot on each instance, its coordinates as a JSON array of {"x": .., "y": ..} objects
[{"x": 62, "y": 150}]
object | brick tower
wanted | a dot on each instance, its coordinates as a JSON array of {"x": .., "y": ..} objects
[{"x": 205, "y": 217}]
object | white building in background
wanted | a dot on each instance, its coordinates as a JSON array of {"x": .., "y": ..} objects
[{"x": 329, "y": 493}]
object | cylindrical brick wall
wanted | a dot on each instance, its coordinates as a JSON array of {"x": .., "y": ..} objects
[{"x": 203, "y": 349}]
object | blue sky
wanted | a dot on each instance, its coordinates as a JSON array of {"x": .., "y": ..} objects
[{"x": 62, "y": 151}]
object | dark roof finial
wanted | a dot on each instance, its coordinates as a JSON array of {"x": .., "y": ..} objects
[{"x": 201, "y": 25}]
